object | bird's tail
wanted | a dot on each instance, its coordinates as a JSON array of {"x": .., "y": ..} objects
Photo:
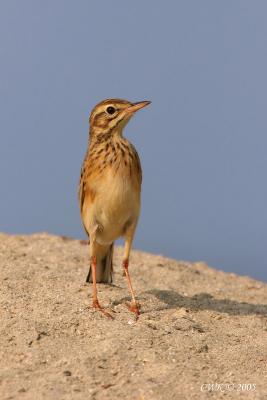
[{"x": 104, "y": 267}]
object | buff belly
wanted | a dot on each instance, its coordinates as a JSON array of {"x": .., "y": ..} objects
[{"x": 115, "y": 209}]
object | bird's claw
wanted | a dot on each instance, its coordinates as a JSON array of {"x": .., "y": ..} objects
[
  {"x": 97, "y": 306},
  {"x": 135, "y": 308}
]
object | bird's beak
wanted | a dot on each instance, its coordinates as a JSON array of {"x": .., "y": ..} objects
[{"x": 137, "y": 106}]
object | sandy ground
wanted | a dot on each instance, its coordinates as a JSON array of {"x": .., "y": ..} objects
[{"x": 199, "y": 327}]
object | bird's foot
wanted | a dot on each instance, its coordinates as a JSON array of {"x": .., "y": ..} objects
[
  {"x": 135, "y": 308},
  {"x": 97, "y": 306}
]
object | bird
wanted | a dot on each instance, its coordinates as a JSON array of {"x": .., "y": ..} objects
[{"x": 110, "y": 192}]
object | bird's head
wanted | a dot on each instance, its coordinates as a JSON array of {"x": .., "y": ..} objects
[{"x": 112, "y": 115}]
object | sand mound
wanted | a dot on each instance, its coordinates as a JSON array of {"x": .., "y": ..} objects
[{"x": 198, "y": 327}]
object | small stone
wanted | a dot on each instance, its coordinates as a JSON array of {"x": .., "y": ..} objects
[
  {"x": 180, "y": 313},
  {"x": 67, "y": 373},
  {"x": 114, "y": 372},
  {"x": 203, "y": 349},
  {"x": 198, "y": 328},
  {"x": 152, "y": 326},
  {"x": 107, "y": 385}
]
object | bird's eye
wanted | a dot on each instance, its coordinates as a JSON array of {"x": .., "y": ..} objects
[{"x": 110, "y": 110}]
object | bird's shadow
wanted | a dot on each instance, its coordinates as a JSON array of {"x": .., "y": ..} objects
[{"x": 205, "y": 301}]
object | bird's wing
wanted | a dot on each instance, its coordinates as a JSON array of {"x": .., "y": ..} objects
[
  {"x": 86, "y": 192},
  {"x": 82, "y": 189}
]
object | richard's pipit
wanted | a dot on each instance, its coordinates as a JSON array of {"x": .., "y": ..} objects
[{"x": 109, "y": 191}]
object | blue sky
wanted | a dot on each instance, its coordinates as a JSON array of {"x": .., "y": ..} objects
[{"x": 202, "y": 142}]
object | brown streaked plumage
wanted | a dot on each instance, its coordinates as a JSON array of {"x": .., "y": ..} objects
[{"x": 109, "y": 190}]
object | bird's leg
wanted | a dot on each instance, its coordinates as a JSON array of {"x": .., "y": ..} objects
[
  {"x": 93, "y": 266},
  {"x": 134, "y": 306},
  {"x": 95, "y": 303}
]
